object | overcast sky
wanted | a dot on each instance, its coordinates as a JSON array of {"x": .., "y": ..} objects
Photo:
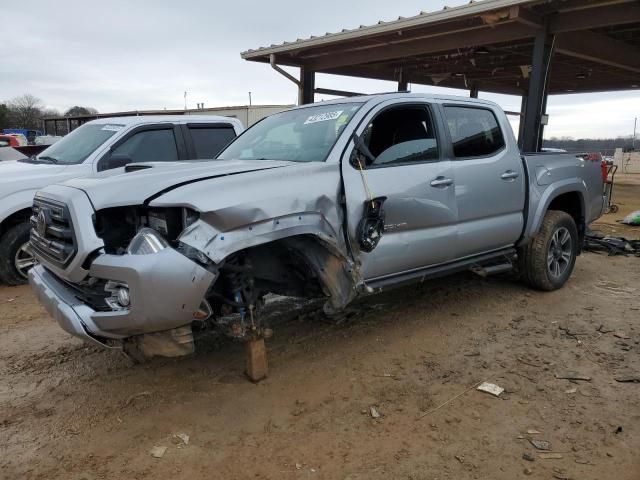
[{"x": 127, "y": 55}]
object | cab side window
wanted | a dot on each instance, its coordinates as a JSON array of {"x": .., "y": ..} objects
[
  {"x": 402, "y": 135},
  {"x": 150, "y": 146},
  {"x": 474, "y": 131}
]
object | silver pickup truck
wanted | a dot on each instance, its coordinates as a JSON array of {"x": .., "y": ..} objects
[{"x": 337, "y": 199}]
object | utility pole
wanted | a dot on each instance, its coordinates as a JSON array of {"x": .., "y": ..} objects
[
  {"x": 249, "y": 98},
  {"x": 633, "y": 141},
  {"x": 185, "y": 100}
]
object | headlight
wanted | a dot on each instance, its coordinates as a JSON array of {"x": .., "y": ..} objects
[{"x": 146, "y": 241}]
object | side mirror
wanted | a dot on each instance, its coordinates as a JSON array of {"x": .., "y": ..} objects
[
  {"x": 361, "y": 150},
  {"x": 115, "y": 161}
]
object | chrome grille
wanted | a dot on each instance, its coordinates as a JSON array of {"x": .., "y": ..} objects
[{"x": 52, "y": 236}]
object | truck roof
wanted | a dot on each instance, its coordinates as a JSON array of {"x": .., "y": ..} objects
[
  {"x": 145, "y": 119},
  {"x": 380, "y": 97}
]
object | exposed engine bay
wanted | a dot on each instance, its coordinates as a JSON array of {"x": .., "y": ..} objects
[{"x": 293, "y": 267}]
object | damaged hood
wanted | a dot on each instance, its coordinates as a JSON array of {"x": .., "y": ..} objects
[{"x": 147, "y": 181}]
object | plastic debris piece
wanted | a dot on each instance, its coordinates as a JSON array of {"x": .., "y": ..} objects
[
  {"x": 632, "y": 378},
  {"x": 374, "y": 412},
  {"x": 183, "y": 437},
  {"x": 158, "y": 452},
  {"x": 571, "y": 390},
  {"x": 541, "y": 444},
  {"x": 491, "y": 388},
  {"x": 533, "y": 432},
  {"x": 550, "y": 456},
  {"x": 632, "y": 219},
  {"x": 573, "y": 376}
]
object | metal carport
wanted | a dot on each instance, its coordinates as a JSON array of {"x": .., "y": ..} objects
[{"x": 531, "y": 48}]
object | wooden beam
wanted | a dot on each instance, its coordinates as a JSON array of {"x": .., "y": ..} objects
[
  {"x": 596, "y": 17},
  {"x": 337, "y": 93},
  {"x": 599, "y": 48},
  {"x": 526, "y": 17},
  {"x": 504, "y": 32}
]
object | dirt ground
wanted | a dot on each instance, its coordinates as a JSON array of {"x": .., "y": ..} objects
[{"x": 72, "y": 411}]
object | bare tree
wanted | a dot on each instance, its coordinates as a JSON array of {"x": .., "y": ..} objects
[{"x": 25, "y": 111}]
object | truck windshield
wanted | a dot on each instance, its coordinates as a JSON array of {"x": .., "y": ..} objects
[
  {"x": 78, "y": 145},
  {"x": 299, "y": 135}
]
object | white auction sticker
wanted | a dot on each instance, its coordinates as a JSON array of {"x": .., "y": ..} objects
[
  {"x": 112, "y": 128},
  {"x": 323, "y": 117}
]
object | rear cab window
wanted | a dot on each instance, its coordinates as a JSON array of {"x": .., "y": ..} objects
[
  {"x": 474, "y": 131},
  {"x": 209, "y": 140}
]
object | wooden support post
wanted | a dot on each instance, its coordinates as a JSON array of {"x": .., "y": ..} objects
[{"x": 256, "y": 356}]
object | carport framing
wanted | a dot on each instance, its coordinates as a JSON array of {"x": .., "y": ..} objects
[{"x": 530, "y": 48}]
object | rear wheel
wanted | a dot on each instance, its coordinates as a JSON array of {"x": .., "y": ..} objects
[
  {"x": 16, "y": 257},
  {"x": 548, "y": 261}
]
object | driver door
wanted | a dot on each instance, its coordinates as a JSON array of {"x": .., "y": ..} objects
[{"x": 420, "y": 210}]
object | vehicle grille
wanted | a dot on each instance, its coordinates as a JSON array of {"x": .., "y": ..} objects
[{"x": 52, "y": 236}]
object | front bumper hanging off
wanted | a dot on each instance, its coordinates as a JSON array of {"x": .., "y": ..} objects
[{"x": 165, "y": 290}]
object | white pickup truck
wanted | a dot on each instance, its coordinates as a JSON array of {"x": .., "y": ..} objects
[{"x": 99, "y": 145}]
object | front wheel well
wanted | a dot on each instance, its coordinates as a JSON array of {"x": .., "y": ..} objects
[
  {"x": 299, "y": 266},
  {"x": 16, "y": 218}
]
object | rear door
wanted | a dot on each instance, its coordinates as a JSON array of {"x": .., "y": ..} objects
[
  {"x": 205, "y": 140},
  {"x": 420, "y": 223},
  {"x": 490, "y": 182}
]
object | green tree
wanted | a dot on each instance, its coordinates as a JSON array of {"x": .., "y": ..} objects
[
  {"x": 78, "y": 111},
  {"x": 4, "y": 116}
]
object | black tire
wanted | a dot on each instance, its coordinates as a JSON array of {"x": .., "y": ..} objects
[
  {"x": 10, "y": 250},
  {"x": 547, "y": 262}
]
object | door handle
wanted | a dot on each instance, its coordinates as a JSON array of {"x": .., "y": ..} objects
[
  {"x": 509, "y": 175},
  {"x": 441, "y": 182}
]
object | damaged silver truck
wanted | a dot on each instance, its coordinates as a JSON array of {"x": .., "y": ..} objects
[{"x": 337, "y": 199}]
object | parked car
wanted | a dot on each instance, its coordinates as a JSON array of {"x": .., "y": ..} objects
[
  {"x": 29, "y": 135},
  {"x": 99, "y": 145},
  {"x": 335, "y": 200},
  {"x": 21, "y": 139},
  {"x": 9, "y": 141},
  {"x": 47, "y": 139}
]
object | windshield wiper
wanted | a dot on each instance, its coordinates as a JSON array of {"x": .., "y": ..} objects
[{"x": 48, "y": 159}]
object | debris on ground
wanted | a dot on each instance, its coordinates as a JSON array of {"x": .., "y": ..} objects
[
  {"x": 135, "y": 396},
  {"x": 528, "y": 471},
  {"x": 374, "y": 412},
  {"x": 158, "y": 452},
  {"x": 621, "y": 335},
  {"x": 528, "y": 457},
  {"x": 629, "y": 378},
  {"x": 541, "y": 444},
  {"x": 596, "y": 242},
  {"x": 573, "y": 376},
  {"x": 491, "y": 388},
  {"x": 181, "y": 438},
  {"x": 632, "y": 219},
  {"x": 550, "y": 456},
  {"x": 571, "y": 391},
  {"x": 603, "y": 330},
  {"x": 533, "y": 432}
]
